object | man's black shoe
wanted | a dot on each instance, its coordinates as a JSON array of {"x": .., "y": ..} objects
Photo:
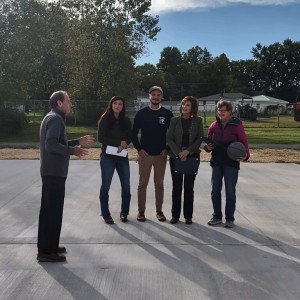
[
  {"x": 61, "y": 250},
  {"x": 123, "y": 217},
  {"x": 50, "y": 257},
  {"x": 188, "y": 221},
  {"x": 174, "y": 220},
  {"x": 108, "y": 220}
]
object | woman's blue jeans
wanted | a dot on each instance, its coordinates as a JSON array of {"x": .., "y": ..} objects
[
  {"x": 230, "y": 175},
  {"x": 108, "y": 167}
]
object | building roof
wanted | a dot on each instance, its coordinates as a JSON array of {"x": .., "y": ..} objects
[
  {"x": 264, "y": 98},
  {"x": 237, "y": 97},
  {"x": 227, "y": 96}
]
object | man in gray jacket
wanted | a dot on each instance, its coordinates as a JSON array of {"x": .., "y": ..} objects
[{"x": 55, "y": 151}]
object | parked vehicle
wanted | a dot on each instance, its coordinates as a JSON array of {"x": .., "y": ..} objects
[
  {"x": 246, "y": 111},
  {"x": 296, "y": 109}
]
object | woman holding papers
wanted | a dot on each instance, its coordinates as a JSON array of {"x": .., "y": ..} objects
[{"x": 114, "y": 132}]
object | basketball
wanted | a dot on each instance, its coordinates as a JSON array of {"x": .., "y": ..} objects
[{"x": 236, "y": 150}]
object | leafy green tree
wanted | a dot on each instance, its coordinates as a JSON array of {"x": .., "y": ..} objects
[
  {"x": 171, "y": 64},
  {"x": 243, "y": 76},
  {"x": 278, "y": 74},
  {"x": 193, "y": 78},
  {"x": 170, "y": 60},
  {"x": 197, "y": 56},
  {"x": 219, "y": 73},
  {"x": 148, "y": 75},
  {"x": 107, "y": 37},
  {"x": 85, "y": 47},
  {"x": 33, "y": 61}
]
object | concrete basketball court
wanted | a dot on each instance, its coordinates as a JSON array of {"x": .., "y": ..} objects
[{"x": 258, "y": 259}]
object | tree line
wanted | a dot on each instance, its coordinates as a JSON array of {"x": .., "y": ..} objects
[
  {"x": 85, "y": 47},
  {"x": 89, "y": 49},
  {"x": 273, "y": 71}
]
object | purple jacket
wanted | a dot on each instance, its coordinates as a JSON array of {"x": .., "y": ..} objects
[{"x": 222, "y": 136}]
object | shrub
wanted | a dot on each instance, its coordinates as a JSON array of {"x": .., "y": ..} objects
[
  {"x": 273, "y": 110},
  {"x": 12, "y": 121},
  {"x": 86, "y": 113}
]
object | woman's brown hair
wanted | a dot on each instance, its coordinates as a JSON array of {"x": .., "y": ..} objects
[{"x": 194, "y": 104}]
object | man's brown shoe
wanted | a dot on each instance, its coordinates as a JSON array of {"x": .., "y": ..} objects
[
  {"x": 50, "y": 257},
  {"x": 141, "y": 217},
  {"x": 160, "y": 216}
]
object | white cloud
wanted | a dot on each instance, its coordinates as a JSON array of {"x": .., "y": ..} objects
[{"x": 165, "y": 6}]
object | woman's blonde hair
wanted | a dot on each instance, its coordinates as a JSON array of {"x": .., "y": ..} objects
[{"x": 226, "y": 103}]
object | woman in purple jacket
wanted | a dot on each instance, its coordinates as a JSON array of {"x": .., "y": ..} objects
[{"x": 224, "y": 131}]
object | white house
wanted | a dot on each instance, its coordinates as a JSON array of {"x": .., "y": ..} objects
[
  {"x": 259, "y": 102},
  {"x": 262, "y": 101},
  {"x": 208, "y": 103},
  {"x": 143, "y": 101}
]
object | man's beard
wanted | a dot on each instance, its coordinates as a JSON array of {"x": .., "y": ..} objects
[{"x": 155, "y": 101}]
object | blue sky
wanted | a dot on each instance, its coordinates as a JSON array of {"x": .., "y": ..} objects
[{"x": 232, "y": 27}]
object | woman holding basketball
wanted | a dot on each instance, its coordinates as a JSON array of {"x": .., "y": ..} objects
[{"x": 224, "y": 131}]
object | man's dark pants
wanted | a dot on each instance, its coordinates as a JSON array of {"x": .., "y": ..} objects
[{"x": 51, "y": 213}]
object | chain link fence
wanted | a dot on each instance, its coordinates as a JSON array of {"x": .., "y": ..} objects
[{"x": 87, "y": 112}]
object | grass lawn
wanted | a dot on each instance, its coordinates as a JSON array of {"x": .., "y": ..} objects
[
  {"x": 262, "y": 131},
  {"x": 273, "y": 135}
]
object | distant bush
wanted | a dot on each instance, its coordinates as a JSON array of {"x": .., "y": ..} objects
[
  {"x": 86, "y": 113},
  {"x": 273, "y": 110},
  {"x": 12, "y": 121}
]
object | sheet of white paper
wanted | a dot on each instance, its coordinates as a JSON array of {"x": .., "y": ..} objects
[{"x": 114, "y": 151}]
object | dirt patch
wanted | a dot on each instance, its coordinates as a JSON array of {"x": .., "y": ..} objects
[{"x": 257, "y": 155}]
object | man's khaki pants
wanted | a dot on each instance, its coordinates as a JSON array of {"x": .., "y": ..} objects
[{"x": 159, "y": 166}]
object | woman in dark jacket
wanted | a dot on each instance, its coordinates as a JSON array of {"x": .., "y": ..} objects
[
  {"x": 224, "y": 131},
  {"x": 114, "y": 129},
  {"x": 184, "y": 140}
]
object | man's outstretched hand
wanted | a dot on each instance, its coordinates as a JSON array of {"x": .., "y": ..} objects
[
  {"x": 86, "y": 140},
  {"x": 80, "y": 152}
]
